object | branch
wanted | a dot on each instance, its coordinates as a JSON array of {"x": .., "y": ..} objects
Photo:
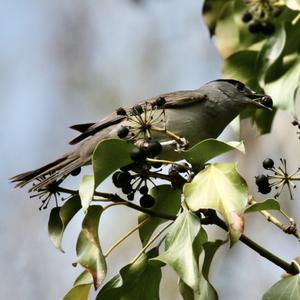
[
  {"x": 212, "y": 218},
  {"x": 289, "y": 268}
]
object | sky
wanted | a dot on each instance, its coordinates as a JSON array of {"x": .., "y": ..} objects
[{"x": 67, "y": 62}]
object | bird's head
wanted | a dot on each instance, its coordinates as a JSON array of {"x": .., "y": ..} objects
[{"x": 239, "y": 93}]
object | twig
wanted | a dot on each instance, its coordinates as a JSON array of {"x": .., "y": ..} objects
[
  {"x": 287, "y": 229},
  {"x": 123, "y": 238},
  {"x": 212, "y": 219},
  {"x": 151, "y": 241}
]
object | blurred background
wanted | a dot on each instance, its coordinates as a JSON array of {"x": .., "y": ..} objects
[{"x": 68, "y": 62}]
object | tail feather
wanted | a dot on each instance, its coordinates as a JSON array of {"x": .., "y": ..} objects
[{"x": 48, "y": 173}]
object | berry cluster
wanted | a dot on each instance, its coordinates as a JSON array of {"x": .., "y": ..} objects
[
  {"x": 296, "y": 123},
  {"x": 129, "y": 183},
  {"x": 141, "y": 118},
  {"x": 132, "y": 183},
  {"x": 280, "y": 178},
  {"x": 259, "y": 16}
]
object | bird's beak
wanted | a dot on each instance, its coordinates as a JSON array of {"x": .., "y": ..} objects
[{"x": 261, "y": 101}]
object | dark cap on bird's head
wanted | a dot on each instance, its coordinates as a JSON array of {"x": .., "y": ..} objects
[{"x": 248, "y": 95}]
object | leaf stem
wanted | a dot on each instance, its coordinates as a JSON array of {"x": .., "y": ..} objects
[
  {"x": 151, "y": 241},
  {"x": 123, "y": 238},
  {"x": 289, "y": 268},
  {"x": 286, "y": 229},
  {"x": 168, "y": 162}
]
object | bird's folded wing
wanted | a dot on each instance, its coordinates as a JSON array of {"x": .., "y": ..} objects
[{"x": 173, "y": 100}]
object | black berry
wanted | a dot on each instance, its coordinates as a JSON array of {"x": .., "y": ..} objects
[
  {"x": 247, "y": 16},
  {"x": 138, "y": 154},
  {"x": 264, "y": 189},
  {"x": 130, "y": 196},
  {"x": 267, "y": 28},
  {"x": 121, "y": 179},
  {"x": 123, "y": 132},
  {"x": 144, "y": 190},
  {"x": 267, "y": 101},
  {"x": 156, "y": 165},
  {"x": 268, "y": 163},
  {"x": 261, "y": 180},
  {"x": 147, "y": 201},
  {"x": 75, "y": 172},
  {"x": 127, "y": 189},
  {"x": 160, "y": 101},
  {"x": 153, "y": 148},
  {"x": 254, "y": 26},
  {"x": 295, "y": 123},
  {"x": 137, "y": 110},
  {"x": 121, "y": 111}
]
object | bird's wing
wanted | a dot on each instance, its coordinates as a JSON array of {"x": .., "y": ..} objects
[
  {"x": 95, "y": 127},
  {"x": 173, "y": 100},
  {"x": 182, "y": 98}
]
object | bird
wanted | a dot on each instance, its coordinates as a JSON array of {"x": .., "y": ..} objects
[{"x": 177, "y": 119}]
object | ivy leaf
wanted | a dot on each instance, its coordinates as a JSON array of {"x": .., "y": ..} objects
[
  {"x": 136, "y": 281},
  {"x": 227, "y": 33},
  {"x": 167, "y": 201},
  {"x": 60, "y": 218},
  {"x": 293, "y": 4},
  {"x": 179, "y": 252},
  {"x": 283, "y": 90},
  {"x": 110, "y": 155},
  {"x": 207, "y": 290},
  {"x": 81, "y": 287},
  {"x": 88, "y": 246},
  {"x": 212, "y": 10},
  {"x": 210, "y": 148},
  {"x": 269, "y": 204},
  {"x": 220, "y": 187},
  {"x": 186, "y": 292},
  {"x": 270, "y": 52},
  {"x": 286, "y": 289},
  {"x": 86, "y": 191},
  {"x": 241, "y": 66}
]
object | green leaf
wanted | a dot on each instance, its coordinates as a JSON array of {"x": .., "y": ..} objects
[
  {"x": 269, "y": 204},
  {"x": 136, "y": 281},
  {"x": 60, "y": 218},
  {"x": 210, "y": 148},
  {"x": 207, "y": 290},
  {"x": 81, "y": 287},
  {"x": 110, "y": 155},
  {"x": 283, "y": 90},
  {"x": 286, "y": 289},
  {"x": 241, "y": 66},
  {"x": 186, "y": 292},
  {"x": 293, "y": 4},
  {"x": 86, "y": 191},
  {"x": 270, "y": 52},
  {"x": 179, "y": 252},
  {"x": 167, "y": 201},
  {"x": 88, "y": 246},
  {"x": 220, "y": 187},
  {"x": 227, "y": 33},
  {"x": 212, "y": 10}
]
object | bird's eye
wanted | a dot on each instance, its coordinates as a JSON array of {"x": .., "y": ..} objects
[{"x": 240, "y": 86}]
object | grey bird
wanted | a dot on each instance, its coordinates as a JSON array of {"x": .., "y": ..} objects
[{"x": 187, "y": 116}]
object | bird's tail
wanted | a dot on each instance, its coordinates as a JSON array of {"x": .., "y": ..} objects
[{"x": 49, "y": 173}]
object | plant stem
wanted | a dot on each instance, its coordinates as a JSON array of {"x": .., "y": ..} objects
[
  {"x": 150, "y": 242},
  {"x": 286, "y": 229},
  {"x": 123, "y": 238},
  {"x": 289, "y": 268}
]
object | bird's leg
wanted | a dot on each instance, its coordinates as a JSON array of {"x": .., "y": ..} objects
[{"x": 181, "y": 142}]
